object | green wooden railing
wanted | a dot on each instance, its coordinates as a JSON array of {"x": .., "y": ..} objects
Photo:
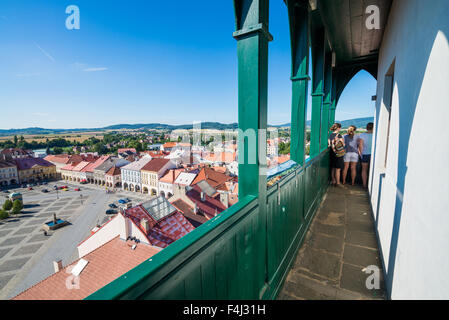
[{"x": 228, "y": 257}]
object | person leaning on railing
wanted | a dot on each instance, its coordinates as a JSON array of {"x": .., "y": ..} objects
[{"x": 337, "y": 152}]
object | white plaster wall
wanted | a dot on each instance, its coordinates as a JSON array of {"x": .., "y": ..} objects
[
  {"x": 415, "y": 189},
  {"x": 108, "y": 232}
]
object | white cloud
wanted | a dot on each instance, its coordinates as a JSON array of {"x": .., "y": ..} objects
[
  {"x": 95, "y": 69},
  {"x": 45, "y": 53}
]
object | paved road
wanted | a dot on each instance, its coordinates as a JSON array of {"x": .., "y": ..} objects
[
  {"x": 28, "y": 258},
  {"x": 63, "y": 245}
]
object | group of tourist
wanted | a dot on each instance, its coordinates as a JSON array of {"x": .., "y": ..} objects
[{"x": 346, "y": 151}]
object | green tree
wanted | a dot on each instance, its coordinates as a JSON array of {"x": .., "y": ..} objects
[
  {"x": 57, "y": 150},
  {"x": 17, "y": 206},
  {"x": 15, "y": 140},
  {"x": 7, "y": 205},
  {"x": 3, "y": 214},
  {"x": 100, "y": 148}
]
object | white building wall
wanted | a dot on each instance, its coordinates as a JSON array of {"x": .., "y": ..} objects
[
  {"x": 109, "y": 231},
  {"x": 118, "y": 226},
  {"x": 410, "y": 203}
]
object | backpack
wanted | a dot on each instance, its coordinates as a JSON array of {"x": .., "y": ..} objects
[{"x": 339, "y": 149}]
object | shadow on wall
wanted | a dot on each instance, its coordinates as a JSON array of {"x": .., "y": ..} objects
[{"x": 407, "y": 107}]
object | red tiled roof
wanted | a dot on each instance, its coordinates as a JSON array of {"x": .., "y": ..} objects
[
  {"x": 210, "y": 206},
  {"x": 60, "y": 158},
  {"x": 220, "y": 157},
  {"x": 170, "y": 176},
  {"x": 80, "y": 166},
  {"x": 122, "y": 150},
  {"x": 220, "y": 169},
  {"x": 69, "y": 167},
  {"x": 93, "y": 165},
  {"x": 114, "y": 171},
  {"x": 165, "y": 231},
  {"x": 11, "y": 151},
  {"x": 6, "y": 164},
  {"x": 155, "y": 165},
  {"x": 212, "y": 177},
  {"x": 169, "y": 144},
  {"x": 106, "y": 264},
  {"x": 28, "y": 163},
  {"x": 195, "y": 219}
]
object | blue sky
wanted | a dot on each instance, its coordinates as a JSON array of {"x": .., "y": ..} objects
[{"x": 139, "y": 61}]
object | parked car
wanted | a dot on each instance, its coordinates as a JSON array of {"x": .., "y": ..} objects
[
  {"x": 127, "y": 199},
  {"x": 77, "y": 189},
  {"x": 5, "y": 191},
  {"x": 112, "y": 205},
  {"x": 111, "y": 211},
  {"x": 30, "y": 188},
  {"x": 44, "y": 183},
  {"x": 44, "y": 190},
  {"x": 55, "y": 187},
  {"x": 122, "y": 201}
]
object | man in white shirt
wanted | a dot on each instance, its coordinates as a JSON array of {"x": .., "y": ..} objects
[{"x": 365, "y": 140}]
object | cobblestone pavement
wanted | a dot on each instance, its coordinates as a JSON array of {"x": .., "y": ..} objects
[
  {"x": 340, "y": 244},
  {"x": 23, "y": 246}
]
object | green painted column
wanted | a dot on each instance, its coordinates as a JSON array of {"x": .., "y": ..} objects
[
  {"x": 252, "y": 48},
  {"x": 333, "y": 99},
  {"x": 325, "y": 118},
  {"x": 317, "y": 89},
  {"x": 252, "y": 37},
  {"x": 299, "y": 36}
]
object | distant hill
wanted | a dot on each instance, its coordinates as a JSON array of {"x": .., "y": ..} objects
[
  {"x": 359, "y": 123},
  {"x": 148, "y": 126}
]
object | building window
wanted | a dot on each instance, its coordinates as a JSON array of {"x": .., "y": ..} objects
[{"x": 388, "y": 102}]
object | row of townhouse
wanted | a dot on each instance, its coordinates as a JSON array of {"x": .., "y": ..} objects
[
  {"x": 8, "y": 172},
  {"x": 103, "y": 171},
  {"x": 25, "y": 170}
]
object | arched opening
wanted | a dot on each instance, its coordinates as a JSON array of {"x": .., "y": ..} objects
[
  {"x": 145, "y": 190},
  {"x": 169, "y": 195},
  {"x": 355, "y": 107},
  {"x": 125, "y": 186},
  {"x": 162, "y": 193},
  {"x": 137, "y": 189},
  {"x": 153, "y": 192}
]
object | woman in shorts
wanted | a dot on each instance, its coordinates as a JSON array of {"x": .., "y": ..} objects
[{"x": 352, "y": 154}]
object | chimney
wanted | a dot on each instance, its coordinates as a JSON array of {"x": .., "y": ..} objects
[
  {"x": 224, "y": 198},
  {"x": 57, "y": 265},
  {"x": 195, "y": 209},
  {"x": 145, "y": 225},
  {"x": 203, "y": 198}
]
